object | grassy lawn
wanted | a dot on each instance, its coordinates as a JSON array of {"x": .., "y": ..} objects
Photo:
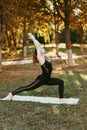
[{"x": 36, "y": 116}]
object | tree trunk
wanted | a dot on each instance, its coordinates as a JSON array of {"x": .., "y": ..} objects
[
  {"x": 24, "y": 40},
  {"x": 0, "y": 58},
  {"x": 14, "y": 40},
  {"x": 57, "y": 40},
  {"x": 82, "y": 48},
  {"x": 68, "y": 46},
  {"x": 25, "y": 51},
  {"x": 8, "y": 41},
  {"x": 1, "y": 37},
  {"x": 81, "y": 37}
]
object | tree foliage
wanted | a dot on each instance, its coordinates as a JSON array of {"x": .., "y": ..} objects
[{"x": 22, "y": 16}]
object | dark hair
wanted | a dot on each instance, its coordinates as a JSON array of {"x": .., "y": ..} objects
[
  {"x": 35, "y": 60},
  {"x": 35, "y": 51}
]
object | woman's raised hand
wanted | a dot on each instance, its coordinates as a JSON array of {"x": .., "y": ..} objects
[{"x": 31, "y": 36}]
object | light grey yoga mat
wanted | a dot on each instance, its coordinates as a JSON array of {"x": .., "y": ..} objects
[{"x": 47, "y": 100}]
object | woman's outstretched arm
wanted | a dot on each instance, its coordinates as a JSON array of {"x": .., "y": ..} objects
[
  {"x": 37, "y": 44},
  {"x": 39, "y": 48}
]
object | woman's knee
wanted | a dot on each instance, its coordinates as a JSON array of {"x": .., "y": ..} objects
[{"x": 61, "y": 82}]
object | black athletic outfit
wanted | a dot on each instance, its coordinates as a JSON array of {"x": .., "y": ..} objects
[{"x": 43, "y": 79}]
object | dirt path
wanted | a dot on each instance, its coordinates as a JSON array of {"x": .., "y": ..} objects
[{"x": 30, "y": 61}]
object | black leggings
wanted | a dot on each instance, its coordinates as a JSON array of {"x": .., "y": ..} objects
[{"x": 38, "y": 82}]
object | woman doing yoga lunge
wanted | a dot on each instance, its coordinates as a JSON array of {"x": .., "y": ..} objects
[{"x": 44, "y": 78}]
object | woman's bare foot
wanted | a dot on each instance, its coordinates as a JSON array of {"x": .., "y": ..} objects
[
  {"x": 62, "y": 100},
  {"x": 10, "y": 96}
]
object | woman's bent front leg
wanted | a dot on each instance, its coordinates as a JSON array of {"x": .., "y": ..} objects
[{"x": 57, "y": 81}]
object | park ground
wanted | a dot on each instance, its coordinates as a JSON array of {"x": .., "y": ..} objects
[{"x": 36, "y": 116}]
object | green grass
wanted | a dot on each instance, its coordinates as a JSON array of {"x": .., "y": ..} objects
[{"x": 36, "y": 116}]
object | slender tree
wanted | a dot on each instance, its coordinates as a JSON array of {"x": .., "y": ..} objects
[
  {"x": 64, "y": 10},
  {"x": 1, "y": 34},
  {"x": 81, "y": 17}
]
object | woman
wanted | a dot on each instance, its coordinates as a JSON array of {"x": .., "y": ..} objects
[{"x": 45, "y": 77}]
